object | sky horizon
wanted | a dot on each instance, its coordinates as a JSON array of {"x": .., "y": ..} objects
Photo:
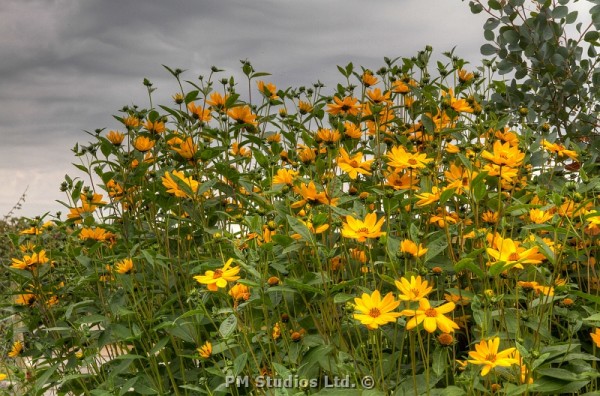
[{"x": 70, "y": 66}]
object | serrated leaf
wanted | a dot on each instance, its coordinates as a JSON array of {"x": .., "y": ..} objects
[{"x": 228, "y": 326}]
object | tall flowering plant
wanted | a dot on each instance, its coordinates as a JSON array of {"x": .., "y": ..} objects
[{"x": 392, "y": 229}]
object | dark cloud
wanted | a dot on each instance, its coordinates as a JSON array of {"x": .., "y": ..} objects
[{"x": 67, "y": 66}]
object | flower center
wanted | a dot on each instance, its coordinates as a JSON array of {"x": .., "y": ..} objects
[
  {"x": 513, "y": 256},
  {"x": 364, "y": 230},
  {"x": 412, "y": 161},
  {"x": 415, "y": 291},
  {"x": 491, "y": 357},
  {"x": 374, "y": 313},
  {"x": 431, "y": 312},
  {"x": 218, "y": 273},
  {"x": 345, "y": 107}
]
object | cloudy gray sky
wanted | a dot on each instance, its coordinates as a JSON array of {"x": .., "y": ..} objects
[{"x": 69, "y": 65}]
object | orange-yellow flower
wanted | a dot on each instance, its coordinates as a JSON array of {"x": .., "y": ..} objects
[
  {"x": 285, "y": 176},
  {"x": 353, "y": 165},
  {"x": 218, "y": 278},
  {"x": 414, "y": 290},
  {"x": 352, "y": 130},
  {"x": 26, "y": 299},
  {"x": 464, "y": 76},
  {"x": 186, "y": 148},
  {"x": 459, "y": 105},
  {"x": 124, "y": 266},
  {"x": 239, "y": 292},
  {"x": 241, "y": 151},
  {"x": 539, "y": 216},
  {"x": 328, "y": 136},
  {"x": 368, "y": 79},
  {"x": 205, "y": 351},
  {"x": 432, "y": 318},
  {"x": 486, "y": 354},
  {"x": 596, "y": 336},
  {"x": 198, "y": 112},
  {"x": 96, "y": 234},
  {"x": 157, "y": 126},
  {"x": 408, "y": 246},
  {"x": 171, "y": 179},
  {"x": 375, "y": 311},
  {"x": 115, "y": 137},
  {"x": 268, "y": 89},
  {"x": 361, "y": 230},
  {"x": 346, "y": 106},
  {"x": 243, "y": 115},
  {"x": 310, "y": 195},
  {"x": 377, "y": 97},
  {"x": 16, "y": 350},
  {"x": 143, "y": 144},
  {"x": 217, "y": 101}
]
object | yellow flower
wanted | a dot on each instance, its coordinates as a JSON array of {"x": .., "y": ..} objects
[
  {"x": 143, "y": 144},
  {"x": 490, "y": 217},
  {"x": 16, "y": 350},
  {"x": 124, "y": 266},
  {"x": 399, "y": 158},
  {"x": 486, "y": 354},
  {"x": 30, "y": 261},
  {"x": 115, "y": 137},
  {"x": 205, "y": 351},
  {"x": 509, "y": 251},
  {"x": 361, "y": 230},
  {"x": 432, "y": 318},
  {"x": 596, "y": 337},
  {"x": 353, "y": 165},
  {"x": 414, "y": 290},
  {"x": 345, "y": 106},
  {"x": 559, "y": 149},
  {"x": 402, "y": 181},
  {"x": 276, "y": 333},
  {"x": 426, "y": 198},
  {"x": 173, "y": 188},
  {"x": 374, "y": 311},
  {"x": 243, "y": 115},
  {"x": 285, "y": 176},
  {"x": 218, "y": 278},
  {"x": 408, "y": 246},
  {"x": 403, "y": 86},
  {"x": 504, "y": 155},
  {"x": 3, "y": 376}
]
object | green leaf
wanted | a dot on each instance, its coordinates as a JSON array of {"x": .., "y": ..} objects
[
  {"x": 239, "y": 363},
  {"x": 228, "y": 326},
  {"x": 468, "y": 264},
  {"x": 439, "y": 359},
  {"x": 300, "y": 228},
  {"x": 488, "y": 49},
  {"x": 341, "y": 298},
  {"x": 436, "y": 247}
]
